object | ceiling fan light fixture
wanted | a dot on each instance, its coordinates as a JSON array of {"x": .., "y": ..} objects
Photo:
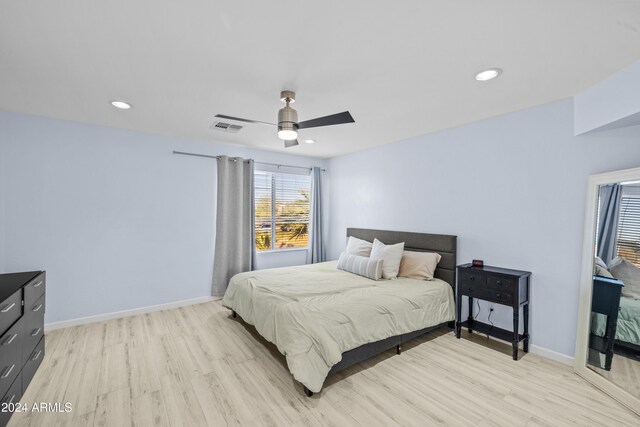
[
  {"x": 287, "y": 122},
  {"x": 287, "y": 134}
]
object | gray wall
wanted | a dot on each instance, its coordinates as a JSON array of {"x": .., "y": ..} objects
[
  {"x": 511, "y": 188},
  {"x": 115, "y": 218},
  {"x": 3, "y": 178}
]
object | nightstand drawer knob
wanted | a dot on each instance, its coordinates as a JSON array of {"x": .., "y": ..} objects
[
  {"x": 498, "y": 296},
  {"x": 470, "y": 289},
  {"x": 472, "y": 278},
  {"x": 499, "y": 282}
]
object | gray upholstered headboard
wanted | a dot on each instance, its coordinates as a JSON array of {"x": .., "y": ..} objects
[{"x": 443, "y": 244}]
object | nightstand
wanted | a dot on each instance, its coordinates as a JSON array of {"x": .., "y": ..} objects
[
  {"x": 500, "y": 286},
  {"x": 606, "y": 300}
]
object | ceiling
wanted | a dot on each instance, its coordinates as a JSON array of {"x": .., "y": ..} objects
[{"x": 402, "y": 69}]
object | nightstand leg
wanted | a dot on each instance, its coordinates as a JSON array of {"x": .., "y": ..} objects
[
  {"x": 609, "y": 339},
  {"x": 516, "y": 327},
  {"x": 470, "y": 318},
  {"x": 458, "y": 314},
  {"x": 525, "y": 319}
]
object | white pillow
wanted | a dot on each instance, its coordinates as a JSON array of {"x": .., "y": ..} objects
[
  {"x": 360, "y": 265},
  {"x": 629, "y": 274},
  {"x": 603, "y": 272},
  {"x": 358, "y": 247},
  {"x": 391, "y": 255},
  {"x": 419, "y": 265},
  {"x": 598, "y": 261}
]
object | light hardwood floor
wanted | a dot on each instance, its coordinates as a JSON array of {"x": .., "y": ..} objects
[
  {"x": 625, "y": 370},
  {"x": 196, "y": 366}
]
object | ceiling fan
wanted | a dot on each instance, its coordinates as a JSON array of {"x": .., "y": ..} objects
[{"x": 288, "y": 123}]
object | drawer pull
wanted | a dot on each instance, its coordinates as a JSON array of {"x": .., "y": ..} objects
[
  {"x": 7, "y": 372},
  {"x": 498, "y": 296},
  {"x": 10, "y": 340},
  {"x": 38, "y": 307},
  {"x": 37, "y": 355},
  {"x": 472, "y": 278},
  {"x": 36, "y": 332},
  {"x": 38, "y": 284},
  {"x": 499, "y": 282},
  {"x": 4, "y": 310},
  {"x": 470, "y": 289}
]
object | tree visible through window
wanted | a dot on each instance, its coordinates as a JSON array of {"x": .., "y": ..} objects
[
  {"x": 629, "y": 228},
  {"x": 282, "y": 203}
]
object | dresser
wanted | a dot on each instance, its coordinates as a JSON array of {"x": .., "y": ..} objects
[
  {"x": 496, "y": 285},
  {"x": 22, "y": 306}
]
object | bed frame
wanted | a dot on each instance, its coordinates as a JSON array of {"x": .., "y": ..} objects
[
  {"x": 627, "y": 346},
  {"x": 445, "y": 245}
]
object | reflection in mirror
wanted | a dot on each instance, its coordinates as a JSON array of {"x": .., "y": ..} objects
[{"x": 614, "y": 341}]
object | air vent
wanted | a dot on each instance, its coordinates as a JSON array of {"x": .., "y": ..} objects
[{"x": 225, "y": 127}]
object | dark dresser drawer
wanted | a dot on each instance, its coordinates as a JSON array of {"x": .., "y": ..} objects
[
  {"x": 22, "y": 307},
  {"x": 500, "y": 283},
  {"x": 466, "y": 277},
  {"x": 33, "y": 326},
  {"x": 13, "y": 395},
  {"x": 10, "y": 311},
  {"x": 31, "y": 365},
  {"x": 10, "y": 357},
  {"x": 34, "y": 290}
]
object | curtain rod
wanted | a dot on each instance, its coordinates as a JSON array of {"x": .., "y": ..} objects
[{"x": 262, "y": 163}]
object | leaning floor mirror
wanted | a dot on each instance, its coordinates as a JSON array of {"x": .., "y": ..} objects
[{"x": 608, "y": 338}]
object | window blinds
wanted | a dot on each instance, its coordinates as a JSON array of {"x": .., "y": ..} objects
[
  {"x": 629, "y": 229},
  {"x": 282, "y": 210}
]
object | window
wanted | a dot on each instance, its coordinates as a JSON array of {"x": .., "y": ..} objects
[
  {"x": 629, "y": 225},
  {"x": 282, "y": 210}
]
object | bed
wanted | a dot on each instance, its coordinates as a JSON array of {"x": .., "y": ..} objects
[{"x": 324, "y": 320}]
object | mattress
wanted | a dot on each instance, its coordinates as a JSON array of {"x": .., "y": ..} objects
[
  {"x": 314, "y": 313},
  {"x": 628, "y": 327}
]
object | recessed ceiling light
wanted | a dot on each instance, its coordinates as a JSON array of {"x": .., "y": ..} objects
[
  {"x": 309, "y": 141},
  {"x": 488, "y": 74},
  {"x": 121, "y": 105}
]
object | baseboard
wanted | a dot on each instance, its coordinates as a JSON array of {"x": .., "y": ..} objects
[
  {"x": 125, "y": 313},
  {"x": 550, "y": 354}
]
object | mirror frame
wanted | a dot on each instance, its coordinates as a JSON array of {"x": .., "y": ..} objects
[{"x": 586, "y": 285}]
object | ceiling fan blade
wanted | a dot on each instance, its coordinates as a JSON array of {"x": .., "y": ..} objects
[
  {"x": 290, "y": 143},
  {"x": 333, "y": 119},
  {"x": 238, "y": 119}
]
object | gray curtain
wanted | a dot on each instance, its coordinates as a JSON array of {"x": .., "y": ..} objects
[
  {"x": 317, "y": 253},
  {"x": 609, "y": 214},
  {"x": 234, "y": 248}
]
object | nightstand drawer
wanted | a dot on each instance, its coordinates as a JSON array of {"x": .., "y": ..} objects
[
  {"x": 471, "y": 289},
  {"x": 497, "y": 296},
  {"x": 471, "y": 278},
  {"x": 499, "y": 283}
]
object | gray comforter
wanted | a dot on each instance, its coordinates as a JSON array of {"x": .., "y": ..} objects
[{"x": 314, "y": 313}]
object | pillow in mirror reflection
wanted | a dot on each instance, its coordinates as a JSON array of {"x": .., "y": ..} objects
[{"x": 622, "y": 269}]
